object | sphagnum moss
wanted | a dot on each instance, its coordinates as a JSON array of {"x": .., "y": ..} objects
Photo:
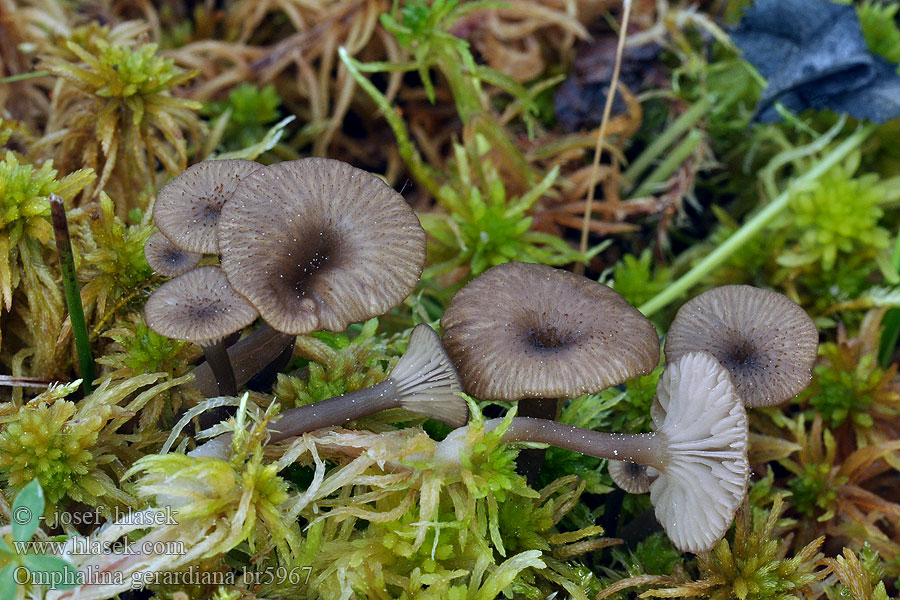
[
  {"x": 371, "y": 514},
  {"x": 118, "y": 113},
  {"x": 25, "y": 260}
]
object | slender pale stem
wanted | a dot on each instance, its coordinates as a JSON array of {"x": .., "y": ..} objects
[
  {"x": 642, "y": 448},
  {"x": 325, "y": 413},
  {"x": 32, "y": 382},
  {"x": 73, "y": 294},
  {"x": 601, "y": 133},
  {"x": 335, "y": 411},
  {"x": 752, "y": 227}
]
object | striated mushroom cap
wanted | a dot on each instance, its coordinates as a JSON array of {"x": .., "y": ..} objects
[
  {"x": 187, "y": 208},
  {"x": 318, "y": 244},
  {"x": 166, "y": 258},
  {"x": 198, "y": 306},
  {"x": 767, "y": 342},
  {"x": 522, "y": 330},
  {"x": 704, "y": 478},
  {"x": 631, "y": 477}
]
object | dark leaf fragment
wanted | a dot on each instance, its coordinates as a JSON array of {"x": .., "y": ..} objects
[{"x": 814, "y": 55}]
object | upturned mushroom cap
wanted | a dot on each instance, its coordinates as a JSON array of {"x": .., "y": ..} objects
[
  {"x": 766, "y": 341},
  {"x": 198, "y": 306},
  {"x": 187, "y": 208},
  {"x": 166, "y": 258},
  {"x": 318, "y": 244},
  {"x": 631, "y": 477},
  {"x": 522, "y": 330},
  {"x": 704, "y": 478}
]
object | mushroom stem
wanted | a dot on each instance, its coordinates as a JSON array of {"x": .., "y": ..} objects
[
  {"x": 335, "y": 411},
  {"x": 650, "y": 449},
  {"x": 423, "y": 381},
  {"x": 248, "y": 357},
  {"x": 217, "y": 358},
  {"x": 698, "y": 453},
  {"x": 643, "y": 448}
]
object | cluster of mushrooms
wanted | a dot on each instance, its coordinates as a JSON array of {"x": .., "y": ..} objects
[{"x": 316, "y": 244}]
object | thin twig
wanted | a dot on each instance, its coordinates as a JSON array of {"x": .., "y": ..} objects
[
  {"x": 601, "y": 133},
  {"x": 23, "y": 77},
  {"x": 30, "y": 382},
  {"x": 73, "y": 294}
]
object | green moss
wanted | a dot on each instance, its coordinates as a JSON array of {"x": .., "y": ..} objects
[
  {"x": 484, "y": 228},
  {"x": 25, "y": 210},
  {"x": 839, "y": 214},
  {"x": 752, "y": 567},
  {"x": 878, "y": 21},
  {"x": 113, "y": 262},
  {"x": 814, "y": 490},
  {"x": 250, "y": 110},
  {"x": 638, "y": 279}
]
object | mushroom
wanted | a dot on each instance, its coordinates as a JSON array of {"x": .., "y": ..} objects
[
  {"x": 423, "y": 381},
  {"x": 199, "y": 306},
  {"x": 631, "y": 477},
  {"x": 187, "y": 208},
  {"x": 767, "y": 342},
  {"x": 698, "y": 452},
  {"x": 522, "y": 330},
  {"x": 318, "y": 244},
  {"x": 528, "y": 331},
  {"x": 166, "y": 258}
]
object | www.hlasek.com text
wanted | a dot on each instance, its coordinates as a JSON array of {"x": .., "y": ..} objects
[{"x": 81, "y": 546}]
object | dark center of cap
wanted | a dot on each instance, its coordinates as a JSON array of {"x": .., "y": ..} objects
[{"x": 548, "y": 337}]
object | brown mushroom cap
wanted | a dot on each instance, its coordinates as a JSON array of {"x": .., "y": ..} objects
[
  {"x": 198, "y": 306},
  {"x": 187, "y": 208},
  {"x": 632, "y": 477},
  {"x": 166, "y": 258},
  {"x": 522, "y": 330},
  {"x": 318, "y": 244},
  {"x": 766, "y": 341}
]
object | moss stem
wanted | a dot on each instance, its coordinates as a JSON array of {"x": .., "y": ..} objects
[
  {"x": 684, "y": 122},
  {"x": 421, "y": 171},
  {"x": 674, "y": 160}
]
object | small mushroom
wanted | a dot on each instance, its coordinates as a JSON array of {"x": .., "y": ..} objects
[
  {"x": 522, "y": 330},
  {"x": 532, "y": 333},
  {"x": 166, "y": 258},
  {"x": 767, "y": 342},
  {"x": 632, "y": 477},
  {"x": 199, "y": 306},
  {"x": 187, "y": 208},
  {"x": 423, "y": 381},
  {"x": 318, "y": 244},
  {"x": 699, "y": 449}
]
